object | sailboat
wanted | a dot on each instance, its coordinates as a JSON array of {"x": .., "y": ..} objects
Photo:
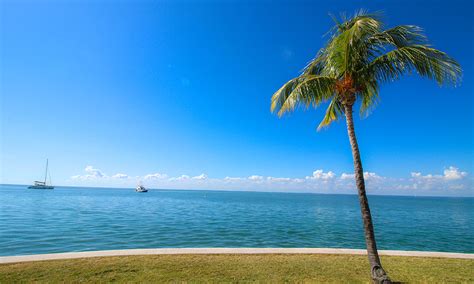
[{"x": 42, "y": 184}]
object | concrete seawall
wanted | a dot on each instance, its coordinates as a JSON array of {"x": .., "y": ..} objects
[{"x": 161, "y": 251}]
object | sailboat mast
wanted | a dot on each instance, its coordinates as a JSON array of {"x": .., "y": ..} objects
[{"x": 46, "y": 173}]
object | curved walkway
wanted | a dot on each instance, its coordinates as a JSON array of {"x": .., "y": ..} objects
[{"x": 71, "y": 255}]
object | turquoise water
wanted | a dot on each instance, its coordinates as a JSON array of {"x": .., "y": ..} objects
[{"x": 84, "y": 219}]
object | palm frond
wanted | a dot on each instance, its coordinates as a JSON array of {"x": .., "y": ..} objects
[
  {"x": 399, "y": 36},
  {"x": 369, "y": 95},
  {"x": 303, "y": 90},
  {"x": 333, "y": 113},
  {"x": 316, "y": 65},
  {"x": 426, "y": 61},
  {"x": 348, "y": 50},
  {"x": 361, "y": 15}
]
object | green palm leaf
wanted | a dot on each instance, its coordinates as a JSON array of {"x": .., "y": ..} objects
[
  {"x": 305, "y": 90},
  {"x": 398, "y": 37},
  {"x": 333, "y": 113},
  {"x": 426, "y": 61}
]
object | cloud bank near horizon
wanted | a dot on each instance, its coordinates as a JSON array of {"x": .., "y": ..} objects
[{"x": 451, "y": 181}]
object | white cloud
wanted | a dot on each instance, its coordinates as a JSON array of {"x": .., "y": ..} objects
[
  {"x": 94, "y": 172},
  {"x": 347, "y": 176},
  {"x": 180, "y": 178},
  {"x": 367, "y": 176},
  {"x": 200, "y": 177},
  {"x": 449, "y": 174},
  {"x": 120, "y": 176},
  {"x": 232, "y": 179},
  {"x": 453, "y": 173},
  {"x": 452, "y": 178},
  {"x": 278, "y": 179},
  {"x": 91, "y": 174},
  {"x": 457, "y": 186},
  {"x": 415, "y": 174},
  {"x": 155, "y": 176},
  {"x": 255, "y": 178},
  {"x": 320, "y": 174},
  {"x": 371, "y": 176}
]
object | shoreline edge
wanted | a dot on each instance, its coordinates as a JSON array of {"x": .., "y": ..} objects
[{"x": 177, "y": 251}]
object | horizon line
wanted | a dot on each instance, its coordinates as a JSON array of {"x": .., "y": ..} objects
[{"x": 243, "y": 190}]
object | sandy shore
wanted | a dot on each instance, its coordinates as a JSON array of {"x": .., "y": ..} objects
[{"x": 71, "y": 255}]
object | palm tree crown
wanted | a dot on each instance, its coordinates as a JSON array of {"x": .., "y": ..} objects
[{"x": 359, "y": 56}]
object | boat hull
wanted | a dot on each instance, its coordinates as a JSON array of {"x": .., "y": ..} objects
[{"x": 41, "y": 187}]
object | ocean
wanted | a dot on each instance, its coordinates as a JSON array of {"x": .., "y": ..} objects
[{"x": 84, "y": 219}]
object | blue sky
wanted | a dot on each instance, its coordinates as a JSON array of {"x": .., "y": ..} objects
[{"x": 177, "y": 88}]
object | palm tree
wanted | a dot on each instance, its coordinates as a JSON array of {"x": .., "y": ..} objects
[{"x": 359, "y": 56}]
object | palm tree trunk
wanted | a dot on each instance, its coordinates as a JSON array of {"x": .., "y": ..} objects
[{"x": 377, "y": 272}]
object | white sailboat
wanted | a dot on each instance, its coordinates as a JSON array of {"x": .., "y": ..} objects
[{"x": 43, "y": 184}]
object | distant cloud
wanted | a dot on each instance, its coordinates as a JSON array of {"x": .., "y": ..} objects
[
  {"x": 233, "y": 179},
  {"x": 200, "y": 177},
  {"x": 94, "y": 172},
  {"x": 371, "y": 176},
  {"x": 278, "y": 179},
  {"x": 180, "y": 178},
  {"x": 255, "y": 178},
  {"x": 415, "y": 174},
  {"x": 367, "y": 176},
  {"x": 183, "y": 178},
  {"x": 155, "y": 176},
  {"x": 347, "y": 176},
  {"x": 453, "y": 173},
  {"x": 321, "y": 175},
  {"x": 451, "y": 179},
  {"x": 91, "y": 173},
  {"x": 120, "y": 176}
]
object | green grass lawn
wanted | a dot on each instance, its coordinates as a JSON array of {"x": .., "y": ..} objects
[{"x": 237, "y": 268}]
